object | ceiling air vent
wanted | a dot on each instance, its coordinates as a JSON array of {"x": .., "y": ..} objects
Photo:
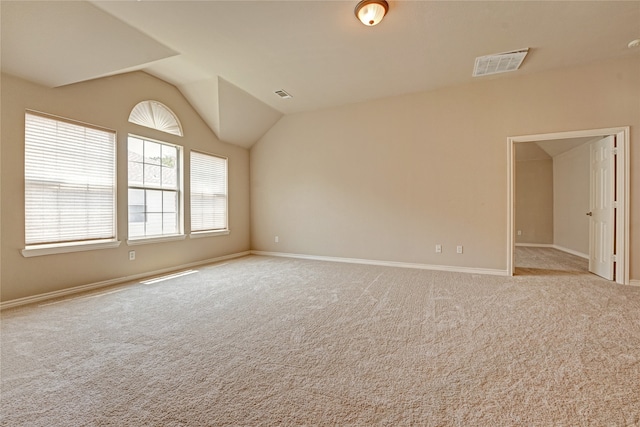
[
  {"x": 283, "y": 94},
  {"x": 499, "y": 62}
]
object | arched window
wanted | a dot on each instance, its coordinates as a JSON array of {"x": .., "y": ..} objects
[{"x": 155, "y": 115}]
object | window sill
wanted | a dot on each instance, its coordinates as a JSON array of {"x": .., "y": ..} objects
[
  {"x": 160, "y": 239},
  {"x": 61, "y": 248},
  {"x": 199, "y": 234}
]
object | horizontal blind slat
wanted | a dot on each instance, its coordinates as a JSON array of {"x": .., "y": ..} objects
[
  {"x": 69, "y": 181},
  {"x": 208, "y": 192}
]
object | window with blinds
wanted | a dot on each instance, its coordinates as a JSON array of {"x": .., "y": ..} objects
[
  {"x": 70, "y": 181},
  {"x": 208, "y": 192}
]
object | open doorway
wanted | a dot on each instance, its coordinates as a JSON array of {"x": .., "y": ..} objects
[{"x": 619, "y": 176}]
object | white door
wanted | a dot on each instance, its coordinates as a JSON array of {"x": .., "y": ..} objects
[{"x": 601, "y": 212}]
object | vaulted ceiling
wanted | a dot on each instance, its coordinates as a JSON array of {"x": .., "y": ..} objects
[{"x": 228, "y": 57}]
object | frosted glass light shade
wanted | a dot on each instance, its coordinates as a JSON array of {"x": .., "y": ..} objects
[
  {"x": 155, "y": 115},
  {"x": 371, "y": 12}
]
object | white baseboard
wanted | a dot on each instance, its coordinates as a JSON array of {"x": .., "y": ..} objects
[
  {"x": 571, "y": 251},
  {"x": 535, "y": 245},
  {"x": 634, "y": 282},
  {"x": 388, "y": 263},
  {"x": 83, "y": 288},
  {"x": 91, "y": 286},
  {"x": 550, "y": 245}
]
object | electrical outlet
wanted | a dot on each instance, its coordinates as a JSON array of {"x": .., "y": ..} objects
[
  {"x": 519, "y": 232},
  {"x": 277, "y": 239},
  {"x": 459, "y": 249},
  {"x": 132, "y": 255},
  {"x": 438, "y": 249}
]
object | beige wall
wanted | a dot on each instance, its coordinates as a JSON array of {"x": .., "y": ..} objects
[
  {"x": 389, "y": 179},
  {"x": 571, "y": 199},
  {"x": 534, "y": 201},
  {"x": 107, "y": 102},
  {"x": 382, "y": 180}
]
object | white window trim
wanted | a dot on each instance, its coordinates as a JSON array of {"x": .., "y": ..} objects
[
  {"x": 220, "y": 232},
  {"x": 41, "y": 249},
  {"x": 181, "y": 170},
  {"x": 61, "y": 248},
  {"x": 159, "y": 239},
  {"x": 209, "y": 233}
]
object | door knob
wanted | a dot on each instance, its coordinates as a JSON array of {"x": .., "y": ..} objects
[{"x": 590, "y": 213}]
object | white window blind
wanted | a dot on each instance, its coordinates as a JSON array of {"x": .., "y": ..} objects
[
  {"x": 208, "y": 192},
  {"x": 69, "y": 181}
]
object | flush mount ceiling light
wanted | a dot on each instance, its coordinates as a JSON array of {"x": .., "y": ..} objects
[{"x": 371, "y": 12}]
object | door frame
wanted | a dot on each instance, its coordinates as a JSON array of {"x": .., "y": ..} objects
[{"x": 622, "y": 192}]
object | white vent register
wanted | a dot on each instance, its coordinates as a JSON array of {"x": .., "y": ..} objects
[
  {"x": 499, "y": 62},
  {"x": 283, "y": 94}
]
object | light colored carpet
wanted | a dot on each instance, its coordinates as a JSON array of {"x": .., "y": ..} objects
[{"x": 263, "y": 341}]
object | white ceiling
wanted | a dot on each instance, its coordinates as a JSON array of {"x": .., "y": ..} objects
[
  {"x": 555, "y": 147},
  {"x": 228, "y": 57},
  {"x": 547, "y": 149}
]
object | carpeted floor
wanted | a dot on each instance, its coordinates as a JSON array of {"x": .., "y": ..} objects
[{"x": 262, "y": 341}]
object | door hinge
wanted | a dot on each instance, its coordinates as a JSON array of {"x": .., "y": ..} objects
[
  {"x": 614, "y": 151},
  {"x": 614, "y": 258},
  {"x": 615, "y": 204}
]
